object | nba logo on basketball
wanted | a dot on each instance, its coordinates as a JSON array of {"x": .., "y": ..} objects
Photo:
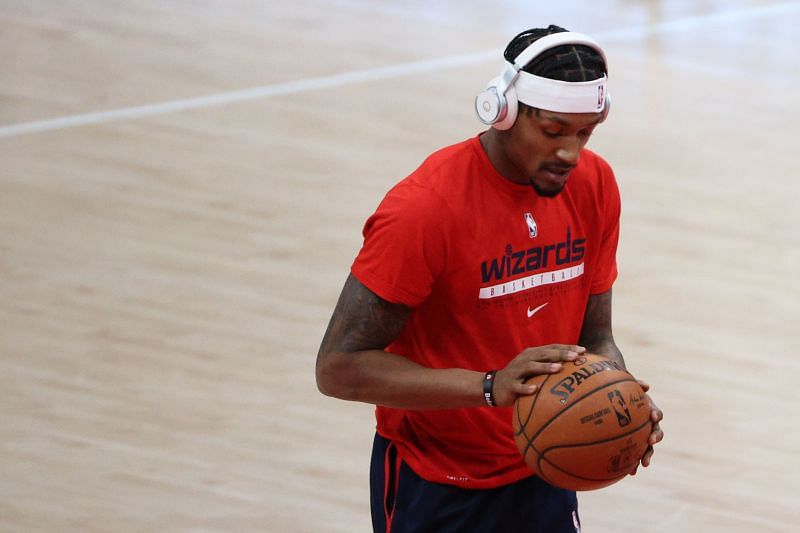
[
  {"x": 620, "y": 409},
  {"x": 532, "y": 229}
]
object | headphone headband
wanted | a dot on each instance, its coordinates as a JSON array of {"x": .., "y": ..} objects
[
  {"x": 512, "y": 70},
  {"x": 551, "y": 41}
]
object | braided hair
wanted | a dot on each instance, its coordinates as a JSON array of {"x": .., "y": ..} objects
[{"x": 567, "y": 62}]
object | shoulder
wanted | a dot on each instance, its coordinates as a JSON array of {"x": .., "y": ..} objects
[
  {"x": 411, "y": 199},
  {"x": 438, "y": 169},
  {"x": 595, "y": 176},
  {"x": 593, "y": 165},
  {"x": 424, "y": 192}
]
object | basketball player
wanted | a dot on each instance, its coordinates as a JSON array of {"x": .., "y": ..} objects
[{"x": 491, "y": 263}]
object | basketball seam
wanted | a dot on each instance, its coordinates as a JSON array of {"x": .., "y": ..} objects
[
  {"x": 530, "y": 440},
  {"x": 530, "y": 410},
  {"x": 548, "y": 461},
  {"x": 522, "y": 426}
]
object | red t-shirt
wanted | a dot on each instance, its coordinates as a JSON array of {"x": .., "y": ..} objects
[{"x": 477, "y": 256}]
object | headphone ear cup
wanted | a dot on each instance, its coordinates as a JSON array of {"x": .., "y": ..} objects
[
  {"x": 512, "y": 107},
  {"x": 606, "y": 108},
  {"x": 490, "y": 104}
]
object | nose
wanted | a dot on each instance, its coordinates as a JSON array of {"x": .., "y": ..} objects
[{"x": 570, "y": 151}]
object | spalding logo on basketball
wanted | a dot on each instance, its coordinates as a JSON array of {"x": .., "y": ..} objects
[{"x": 586, "y": 427}]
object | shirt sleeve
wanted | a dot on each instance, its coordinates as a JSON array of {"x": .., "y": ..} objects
[
  {"x": 404, "y": 249},
  {"x": 606, "y": 271}
]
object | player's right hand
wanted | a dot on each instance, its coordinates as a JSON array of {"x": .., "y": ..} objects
[{"x": 509, "y": 382}]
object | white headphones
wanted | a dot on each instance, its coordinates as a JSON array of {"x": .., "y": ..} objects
[{"x": 497, "y": 105}]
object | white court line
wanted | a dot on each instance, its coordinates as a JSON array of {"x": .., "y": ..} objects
[{"x": 381, "y": 73}]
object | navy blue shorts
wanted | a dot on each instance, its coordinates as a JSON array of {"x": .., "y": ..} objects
[{"x": 403, "y": 502}]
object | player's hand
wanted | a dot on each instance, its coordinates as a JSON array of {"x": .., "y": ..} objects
[
  {"x": 508, "y": 383},
  {"x": 656, "y": 435}
]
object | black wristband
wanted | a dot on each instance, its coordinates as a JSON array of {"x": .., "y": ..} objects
[{"x": 488, "y": 388}]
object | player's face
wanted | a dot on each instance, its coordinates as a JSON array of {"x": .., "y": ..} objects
[{"x": 544, "y": 146}]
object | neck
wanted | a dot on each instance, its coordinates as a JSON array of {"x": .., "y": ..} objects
[{"x": 492, "y": 141}]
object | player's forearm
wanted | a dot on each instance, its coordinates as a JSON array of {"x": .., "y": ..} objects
[
  {"x": 382, "y": 378},
  {"x": 596, "y": 334}
]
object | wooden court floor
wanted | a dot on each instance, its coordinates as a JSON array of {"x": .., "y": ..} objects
[{"x": 182, "y": 189}]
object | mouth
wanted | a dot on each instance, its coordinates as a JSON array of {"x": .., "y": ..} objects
[{"x": 555, "y": 175}]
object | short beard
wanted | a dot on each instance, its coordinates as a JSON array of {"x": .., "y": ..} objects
[{"x": 542, "y": 192}]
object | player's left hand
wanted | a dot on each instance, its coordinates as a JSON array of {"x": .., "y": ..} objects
[{"x": 656, "y": 415}]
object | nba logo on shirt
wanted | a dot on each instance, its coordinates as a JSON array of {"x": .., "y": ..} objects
[{"x": 532, "y": 230}]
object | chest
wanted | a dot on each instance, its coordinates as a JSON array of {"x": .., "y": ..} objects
[{"x": 521, "y": 251}]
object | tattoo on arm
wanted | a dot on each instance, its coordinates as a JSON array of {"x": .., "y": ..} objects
[
  {"x": 362, "y": 320},
  {"x": 596, "y": 333}
]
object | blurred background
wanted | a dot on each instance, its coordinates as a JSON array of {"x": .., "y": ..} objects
[{"x": 182, "y": 189}]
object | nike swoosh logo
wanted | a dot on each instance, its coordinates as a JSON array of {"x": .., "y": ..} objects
[{"x": 534, "y": 311}]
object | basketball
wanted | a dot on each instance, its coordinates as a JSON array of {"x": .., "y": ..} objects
[{"x": 587, "y": 425}]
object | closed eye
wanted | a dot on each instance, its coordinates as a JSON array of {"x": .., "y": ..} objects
[{"x": 552, "y": 134}]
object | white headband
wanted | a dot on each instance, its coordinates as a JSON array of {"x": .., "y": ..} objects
[{"x": 561, "y": 96}]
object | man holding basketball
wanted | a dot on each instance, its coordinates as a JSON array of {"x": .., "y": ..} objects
[{"x": 491, "y": 263}]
